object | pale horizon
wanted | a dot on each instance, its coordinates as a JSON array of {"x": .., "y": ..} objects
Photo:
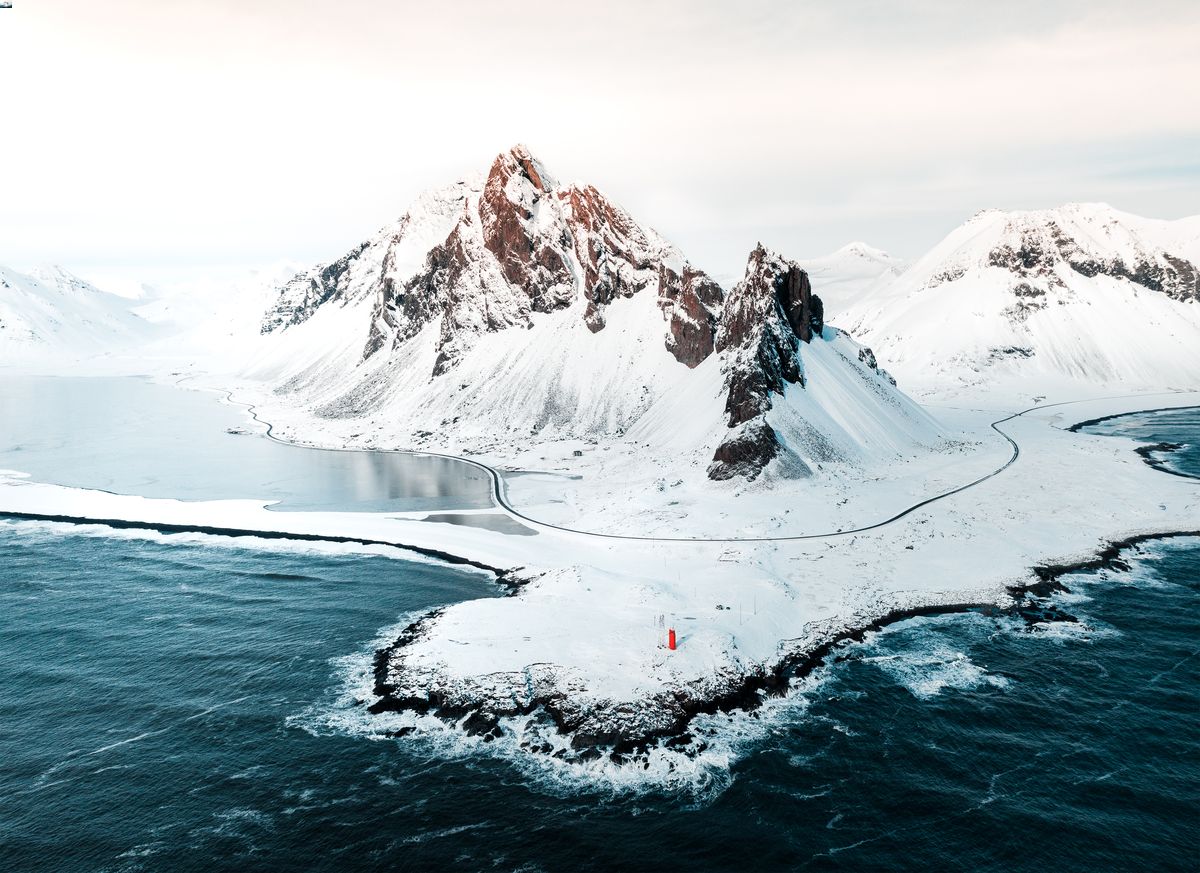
[{"x": 153, "y": 143}]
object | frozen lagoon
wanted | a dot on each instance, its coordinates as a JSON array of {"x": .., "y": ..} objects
[{"x": 133, "y": 436}]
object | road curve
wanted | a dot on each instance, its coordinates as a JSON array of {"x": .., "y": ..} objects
[{"x": 501, "y": 498}]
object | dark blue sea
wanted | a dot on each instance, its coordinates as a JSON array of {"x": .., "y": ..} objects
[{"x": 186, "y": 703}]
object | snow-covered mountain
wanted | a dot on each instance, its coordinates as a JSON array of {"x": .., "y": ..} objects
[
  {"x": 213, "y": 320},
  {"x": 476, "y": 258},
  {"x": 798, "y": 392},
  {"x": 514, "y": 308},
  {"x": 1082, "y": 293},
  {"x": 846, "y": 275},
  {"x": 51, "y": 315}
]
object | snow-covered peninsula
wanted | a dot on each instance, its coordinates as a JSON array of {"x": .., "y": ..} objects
[{"x": 730, "y": 465}]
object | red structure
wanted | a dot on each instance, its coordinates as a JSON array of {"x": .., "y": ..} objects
[{"x": 671, "y": 639}]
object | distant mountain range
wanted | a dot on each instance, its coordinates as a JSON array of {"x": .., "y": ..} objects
[
  {"x": 49, "y": 315},
  {"x": 1082, "y": 293},
  {"x": 514, "y": 308}
]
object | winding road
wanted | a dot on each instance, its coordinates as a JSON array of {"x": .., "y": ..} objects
[{"x": 500, "y": 497}]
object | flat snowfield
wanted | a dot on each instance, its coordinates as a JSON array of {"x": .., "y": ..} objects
[{"x": 589, "y": 630}]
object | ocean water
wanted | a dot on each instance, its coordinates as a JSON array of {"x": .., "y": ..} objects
[
  {"x": 180, "y": 703},
  {"x": 194, "y": 703}
]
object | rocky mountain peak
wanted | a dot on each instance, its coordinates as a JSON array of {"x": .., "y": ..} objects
[
  {"x": 518, "y": 216},
  {"x": 1044, "y": 249},
  {"x": 767, "y": 316},
  {"x": 520, "y": 158},
  {"x": 488, "y": 257}
]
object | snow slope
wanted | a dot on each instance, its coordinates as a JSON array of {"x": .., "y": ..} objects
[
  {"x": 844, "y": 276},
  {"x": 516, "y": 310},
  {"x": 50, "y": 316},
  {"x": 1082, "y": 297},
  {"x": 214, "y": 321}
]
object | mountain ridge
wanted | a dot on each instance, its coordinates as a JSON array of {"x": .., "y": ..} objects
[
  {"x": 50, "y": 314},
  {"x": 527, "y": 271},
  {"x": 1080, "y": 292}
]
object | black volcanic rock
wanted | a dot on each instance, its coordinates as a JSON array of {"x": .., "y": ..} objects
[
  {"x": 766, "y": 317},
  {"x": 745, "y": 452},
  {"x": 796, "y": 299}
]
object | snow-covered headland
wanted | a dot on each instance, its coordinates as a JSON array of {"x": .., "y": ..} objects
[
  {"x": 731, "y": 464},
  {"x": 581, "y": 643}
]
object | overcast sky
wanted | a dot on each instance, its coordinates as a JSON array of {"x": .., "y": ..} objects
[{"x": 159, "y": 139}]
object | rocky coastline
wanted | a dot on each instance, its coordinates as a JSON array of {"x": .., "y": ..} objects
[{"x": 623, "y": 737}]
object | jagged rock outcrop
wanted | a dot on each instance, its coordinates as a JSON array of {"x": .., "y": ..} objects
[
  {"x": 867, "y": 357},
  {"x": 691, "y": 302},
  {"x": 795, "y": 296},
  {"x": 766, "y": 317},
  {"x": 756, "y": 334},
  {"x": 306, "y": 292},
  {"x": 776, "y": 415}
]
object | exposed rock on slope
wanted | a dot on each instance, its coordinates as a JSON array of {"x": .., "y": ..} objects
[
  {"x": 520, "y": 309},
  {"x": 1036, "y": 250},
  {"x": 1082, "y": 292},
  {"x": 769, "y": 319},
  {"x": 482, "y": 258},
  {"x": 758, "y": 336},
  {"x": 389, "y": 257}
]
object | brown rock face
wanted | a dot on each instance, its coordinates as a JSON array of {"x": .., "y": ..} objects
[
  {"x": 526, "y": 259},
  {"x": 692, "y": 303},
  {"x": 610, "y": 247}
]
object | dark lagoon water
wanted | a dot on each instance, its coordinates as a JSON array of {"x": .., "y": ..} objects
[
  {"x": 1179, "y": 427},
  {"x": 110, "y": 433},
  {"x": 189, "y": 703}
]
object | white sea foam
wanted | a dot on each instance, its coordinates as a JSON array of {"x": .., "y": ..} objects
[
  {"x": 1083, "y": 631},
  {"x": 927, "y": 671}
]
